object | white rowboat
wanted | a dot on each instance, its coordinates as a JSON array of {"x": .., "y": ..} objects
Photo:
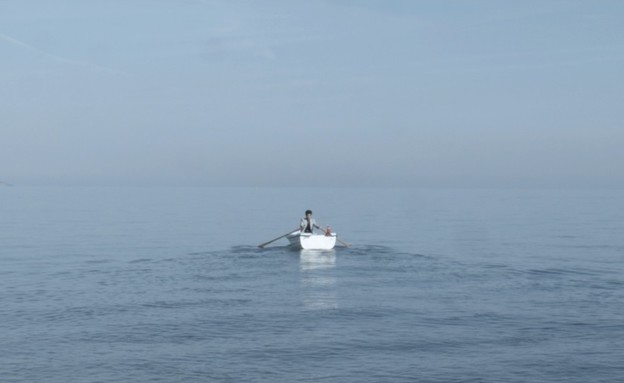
[{"x": 309, "y": 241}]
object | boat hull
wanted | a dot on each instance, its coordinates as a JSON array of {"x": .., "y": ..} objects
[{"x": 308, "y": 241}]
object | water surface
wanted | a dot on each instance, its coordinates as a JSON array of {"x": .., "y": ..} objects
[{"x": 167, "y": 284}]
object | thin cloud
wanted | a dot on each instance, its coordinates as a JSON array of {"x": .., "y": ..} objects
[
  {"x": 54, "y": 57},
  {"x": 236, "y": 44}
]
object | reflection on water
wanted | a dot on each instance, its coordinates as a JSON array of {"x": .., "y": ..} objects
[
  {"x": 318, "y": 282},
  {"x": 317, "y": 259}
]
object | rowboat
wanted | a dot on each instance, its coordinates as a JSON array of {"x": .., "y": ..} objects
[{"x": 309, "y": 241}]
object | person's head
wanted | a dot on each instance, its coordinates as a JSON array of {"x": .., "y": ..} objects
[{"x": 308, "y": 213}]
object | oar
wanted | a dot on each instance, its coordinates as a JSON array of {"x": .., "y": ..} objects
[
  {"x": 280, "y": 237},
  {"x": 343, "y": 242}
]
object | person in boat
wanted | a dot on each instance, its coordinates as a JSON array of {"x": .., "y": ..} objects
[{"x": 308, "y": 223}]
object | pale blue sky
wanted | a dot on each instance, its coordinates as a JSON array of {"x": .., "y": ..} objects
[{"x": 319, "y": 93}]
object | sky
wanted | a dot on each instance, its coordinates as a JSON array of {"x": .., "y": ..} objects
[{"x": 342, "y": 93}]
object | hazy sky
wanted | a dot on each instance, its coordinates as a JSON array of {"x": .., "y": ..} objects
[{"x": 327, "y": 93}]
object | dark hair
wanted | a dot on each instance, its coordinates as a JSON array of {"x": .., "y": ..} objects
[{"x": 308, "y": 212}]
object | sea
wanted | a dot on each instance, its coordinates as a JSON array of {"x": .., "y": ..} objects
[{"x": 166, "y": 284}]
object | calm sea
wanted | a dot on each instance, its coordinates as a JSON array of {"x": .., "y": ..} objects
[{"x": 168, "y": 285}]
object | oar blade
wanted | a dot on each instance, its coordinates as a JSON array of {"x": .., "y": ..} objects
[{"x": 343, "y": 242}]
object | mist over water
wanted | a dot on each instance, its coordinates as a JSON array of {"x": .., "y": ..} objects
[{"x": 168, "y": 284}]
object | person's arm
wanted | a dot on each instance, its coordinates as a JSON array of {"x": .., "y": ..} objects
[{"x": 316, "y": 225}]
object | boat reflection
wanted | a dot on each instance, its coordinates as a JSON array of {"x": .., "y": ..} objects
[
  {"x": 318, "y": 283},
  {"x": 317, "y": 259}
]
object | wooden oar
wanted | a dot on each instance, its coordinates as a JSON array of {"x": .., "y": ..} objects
[
  {"x": 343, "y": 242},
  {"x": 280, "y": 237}
]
